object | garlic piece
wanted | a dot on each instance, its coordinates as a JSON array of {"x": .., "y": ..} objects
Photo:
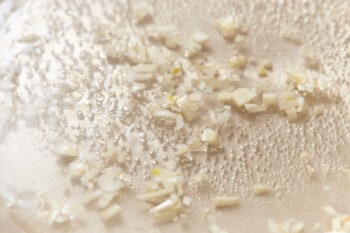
[
  {"x": 110, "y": 212},
  {"x": 109, "y": 181},
  {"x": 142, "y": 11},
  {"x": 105, "y": 199},
  {"x": 291, "y": 114},
  {"x": 186, "y": 200},
  {"x": 254, "y": 108},
  {"x": 242, "y": 96},
  {"x": 287, "y": 100},
  {"x": 210, "y": 136},
  {"x": 165, "y": 114},
  {"x": 151, "y": 196},
  {"x": 77, "y": 170},
  {"x": 269, "y": 99},
  {"x": 225, "y": 97},
  {"x": 226, "y": 27},
  {"x": 143, "y": 72},
  {"x": 310, "y": 170},
  {"x": 226, "y": 201},
  {"x": 200, "y": 37},
  {"x": 261, "y": 189},
  {"x": 239, "y": 61},
  {"x": 68, "y": 151},
  {"x": 262, "y": 71}
]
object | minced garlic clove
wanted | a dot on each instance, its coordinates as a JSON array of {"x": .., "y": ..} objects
[
  {"x": 296, "y": 78},
  {"x": 254, "y": 108},
  {"x": 200, "y": 37},
  {"x": 142, "y": 11},
  {"x": 310, "y": 170},
  {"x": 165, "y": 114},
  {"x": 77, "y": 170},
  {"x": 105, "y": 199},
  {"x": 110, "y": 212},
  {"x": 239, "y": 61},
  {"x": 262, "y": 71},
  {"x": 242, "y": 96},
  {"x": 261, "y": 189},
  {"x": 210, "y": 136},
  {"x": 186, "y": 201},
  {"x": 269, "y": 99},
  {"x": 226, "y": 201},
  {"x": 225, "y": 97},
  {"x": 151, "y": 196},
  {"x": 226, "y": 27},
  {"x": 287, "y": 100},
  {"x": 291, "y": 114},
  {"x": 68, "y": 152},
  {"x": 145, "y": 68}
]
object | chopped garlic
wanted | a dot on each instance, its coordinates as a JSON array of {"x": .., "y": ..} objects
[
  {"x": 310, "y": 170},
  {"x": 186, "y": 200},
  {"x": 145, "y": 68},
  {"x": 226, "y": 27},
  {"x": 179, "y": 122},
  {"x": 296, "y": 78},
  {"x": 91, "y": 196},
  {"x": 112, "y": 152},
  {"x": 254, "y": 108},
  {"x": 165, "y": 216},
  {"x": 151, "y": 196},
  {"x": 110, "y": 212},
  {"x": 167, "y": 210},
  {"x": 238, "y": 61},
  {"x": 261, "y": 189},
  {"x": 200, "y": 37},
  {"x": 242, "y": 96},
  {"x": 111, "y": 52},
  {"x": 77, "y": 170},
  {"x": 90, "y": 174},
  {"x": 267, "y": 65},
  {"x": 226, "y": 201},
  {"x": 182, "y": 149},
  {"x": 141, "y": 11},
  {"x": 105, "y": 199},
  {"x": 269, "y": 99},
  {"x": 163, "y": 207},
  {"x": 292, "y": 114},
  {"x": 210, "y": 136},
  {"x": 63, "y": 214},
  {"x": 225, "y": 96},
  {"x": 143, "y": 72},
  {"x": 262, "y": 71},
  {"x": 165, "y": 114},
  {"x": 68, "y": 151},
  {"x": 287, "y": 100},
  {"x": 109, "y": 181}
]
